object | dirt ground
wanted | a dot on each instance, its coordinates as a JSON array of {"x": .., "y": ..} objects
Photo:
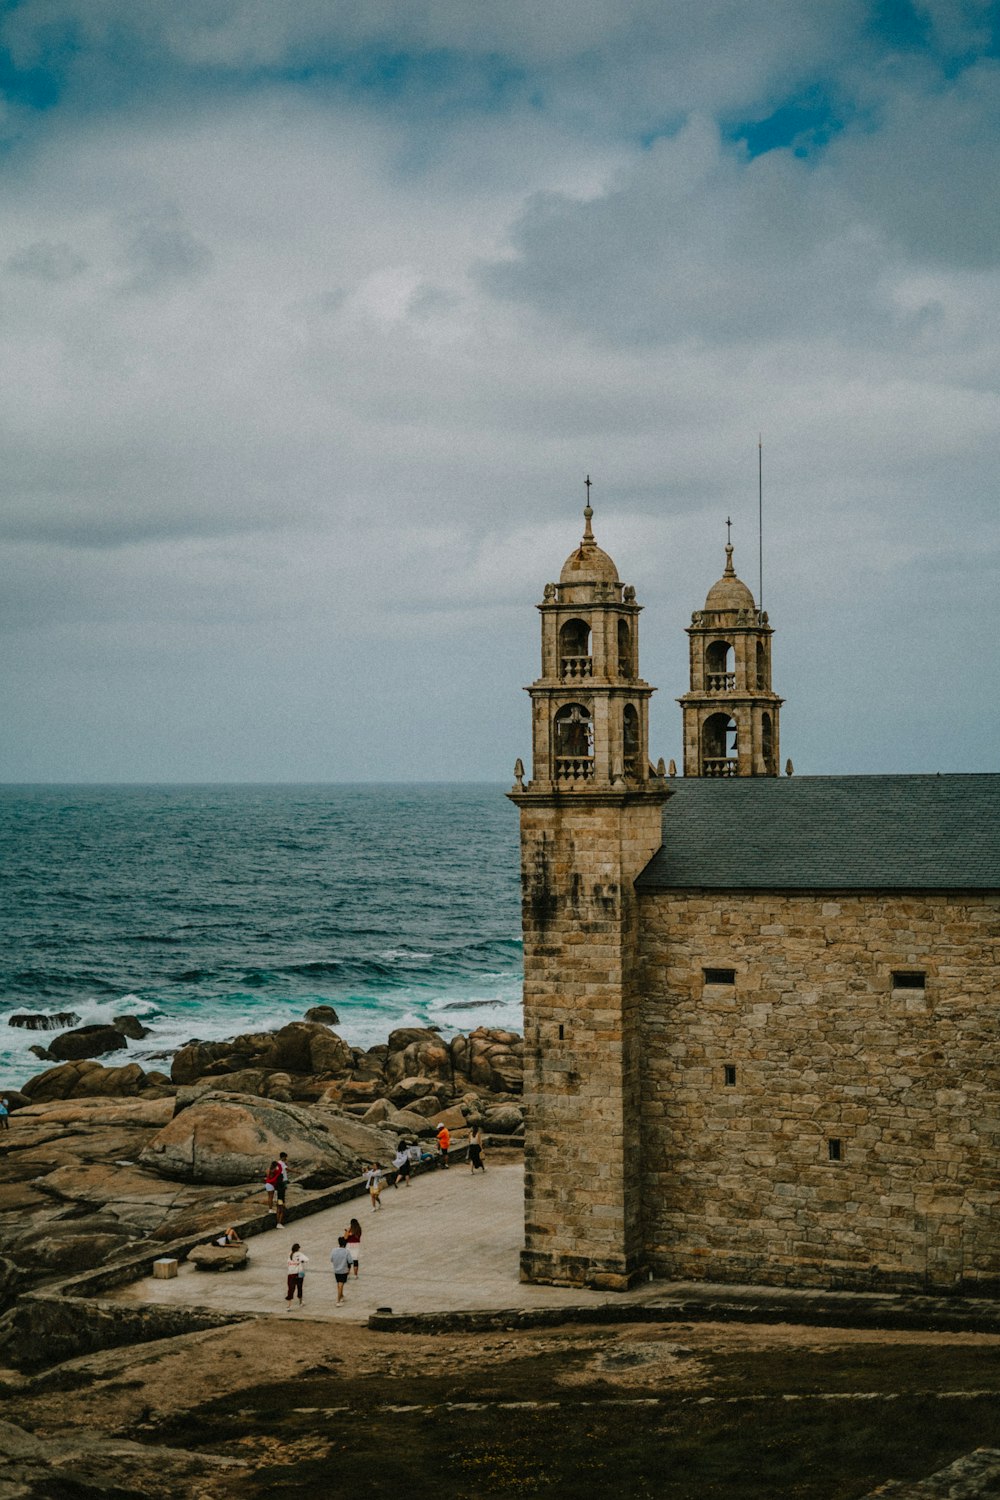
[{"x": 293, "y": 1405}]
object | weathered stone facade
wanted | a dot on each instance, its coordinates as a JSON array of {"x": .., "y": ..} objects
[
  {"x": 739, "y": 1184},
  {"x": 760, "y": 1031},
  {"x": 582, "y": 1082}
]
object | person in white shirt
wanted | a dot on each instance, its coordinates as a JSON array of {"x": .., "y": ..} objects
[
  {"x": 297, "y": 1263},
  {"x": 401, "y": 1162}
]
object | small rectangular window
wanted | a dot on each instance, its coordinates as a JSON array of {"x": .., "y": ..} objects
[
  {"x": 561, "y": 1036},
  {"x": 833, "y": 1148},
  {"x": 719, "y": 976},
  {"x": 904, "y": 979},
  {"x": 730, "y": 1075}
]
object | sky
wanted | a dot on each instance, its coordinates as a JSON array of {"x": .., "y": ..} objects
[{"x": 314, "y": 316}]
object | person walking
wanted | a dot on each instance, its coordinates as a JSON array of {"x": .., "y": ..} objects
[
  {"x": 297, "y": 1263},
  {"x": 341, "y": 1259},
  {"x": 373, "y": 1182},
  {"x": 352, "y": 1234},
  {"x": 4, "y": 1114},
  {"x": 444, "y": 1141},
  {"x": 281, "y": 1188},
  {"x": 476, "y": 1149}
]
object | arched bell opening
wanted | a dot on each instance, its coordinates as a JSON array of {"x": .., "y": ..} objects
[
  {"x": 719, "y": 752},
  {"x": 630, "y": 740},
  {"x": 574, "y": 743},
  {"x": 720, "y": 673},
  {"x": 762, "y": 682},
  {"x": 625, "y": 667},
  {"x": 767, "y": 744},
  {"x": 575, "y": 659}
]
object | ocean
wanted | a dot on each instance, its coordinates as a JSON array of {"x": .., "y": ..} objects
[{"x": 208, "y": 911}]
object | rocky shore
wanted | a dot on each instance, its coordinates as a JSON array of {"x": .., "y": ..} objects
[{"x": 100, "y": 1160}]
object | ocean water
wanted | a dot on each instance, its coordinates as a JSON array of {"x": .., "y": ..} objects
[{"x": 212, "y": 910}]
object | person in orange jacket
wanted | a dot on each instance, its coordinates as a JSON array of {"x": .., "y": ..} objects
[{"x": 444, "y": 1141}]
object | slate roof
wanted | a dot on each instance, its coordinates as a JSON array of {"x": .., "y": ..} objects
[{"x": 830, "y": 833}]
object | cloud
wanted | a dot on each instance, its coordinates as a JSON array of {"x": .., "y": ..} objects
[
  {"x": 46, "y": 262},
  {"x": 161, "y": 251},
  {"x": 306, "y": 353}
]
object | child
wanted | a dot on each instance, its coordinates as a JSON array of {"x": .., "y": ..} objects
[{"x": 373, "y": 1182}]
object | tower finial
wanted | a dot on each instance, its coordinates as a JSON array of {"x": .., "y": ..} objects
[
  {"x": 730, "y": 570},
  {"x": 588, "y": 535}
]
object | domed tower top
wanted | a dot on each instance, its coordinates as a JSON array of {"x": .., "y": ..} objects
[
  {"x": 730, "y": 592},
  {"x": 588, "y": 570}
]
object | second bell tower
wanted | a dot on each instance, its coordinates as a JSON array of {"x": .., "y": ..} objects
[{"x": 730, "y": 711}]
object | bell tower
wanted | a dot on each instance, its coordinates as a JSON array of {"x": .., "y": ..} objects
[
  {"x": 590, "y": 822},
  {"x": 730, "y": 712}
]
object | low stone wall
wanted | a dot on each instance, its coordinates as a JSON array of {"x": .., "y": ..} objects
[
  {"x": 748, "y": 1305},
  {"x": 43, "y": 1330}
]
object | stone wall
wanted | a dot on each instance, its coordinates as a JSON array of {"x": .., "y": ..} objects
[
  {"x": 740, "y": 1180},
  {"x": 582, "y": 1085}
]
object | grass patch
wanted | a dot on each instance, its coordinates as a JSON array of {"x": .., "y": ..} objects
[{"x": 790, "y": 1422}]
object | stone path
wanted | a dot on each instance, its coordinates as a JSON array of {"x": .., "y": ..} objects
[{"x": 448, "y": 1242}]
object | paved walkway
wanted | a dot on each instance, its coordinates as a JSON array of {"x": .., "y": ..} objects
[{"x": 448, "y": 1242}]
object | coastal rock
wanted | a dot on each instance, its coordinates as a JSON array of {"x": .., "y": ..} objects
[
  {"x": 368, "y": 1064},
  {"x": 408, "y": 1089},
  {"x": 134, "y": 1113},
  {"x": 86, "y": 1079},
  {"x": 454, "y": 1118},
  {"x": 429, "y": 1106},
  {"x": 69, "y": 1248},
  {"x": 219, "y": 1257},
  {"x": 325, "y": 1014},
  {"x": 425, "y": 1056},
  {"x": 408, "y": 1122},
  {"x": 131, "y": 1027},
  {"x": 491, "y": 1058},
  {"x": 503, "y": 1119},
  {"x": 355, "y": 1090},
  {"x": 230, "y": 1138},
  {"x": 193, "y": 1061},
  {"x": 329, "y": 1053},
  {"x": 402, "y": 1036},
  {"x": 10, "y": 1277},
  {"x": 86, "y": 1041},
  {"x": 36, "y": 1021},
  {"x": 300, "y": 1048}
]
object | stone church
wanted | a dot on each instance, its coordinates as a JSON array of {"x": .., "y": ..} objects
[{"x": 760, "y": 1011}]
